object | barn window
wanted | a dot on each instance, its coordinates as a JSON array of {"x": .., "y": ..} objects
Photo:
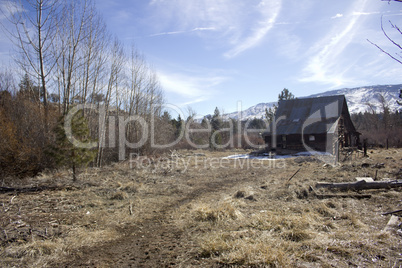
[{"x": 311, "y": 138}]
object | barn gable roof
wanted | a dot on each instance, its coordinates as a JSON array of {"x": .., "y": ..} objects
[{"x": 312, "y": 115}]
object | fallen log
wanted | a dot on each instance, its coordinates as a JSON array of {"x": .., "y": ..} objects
[
  {"x": 357, "y": 196},
  {"x": 33, "y": 189},
  {"x": 323, "y": 196},
  {"x": 360, "y": 185}
]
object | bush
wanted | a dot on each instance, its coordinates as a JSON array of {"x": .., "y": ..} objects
[{"x": 23, "y": 136}]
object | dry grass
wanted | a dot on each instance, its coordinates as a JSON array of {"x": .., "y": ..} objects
[
  {"x": 47, "y": 225},
  {"x": 215, "y": 213},
  {"x": 233, "y": 213},
  {"x": 266, "y": 237},
  {"x": 282, "y": 228}
]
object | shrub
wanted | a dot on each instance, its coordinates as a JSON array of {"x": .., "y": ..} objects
[{"x": 64, "y": 152}]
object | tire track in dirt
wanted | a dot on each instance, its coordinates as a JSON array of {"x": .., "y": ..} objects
[{"x": 155, "y": 242}]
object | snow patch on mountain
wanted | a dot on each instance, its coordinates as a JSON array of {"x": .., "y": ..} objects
[
  {"x": 256, "y": 111},
  {"x": 367, "y": 99},
  {"x": 359, "y": 100}
]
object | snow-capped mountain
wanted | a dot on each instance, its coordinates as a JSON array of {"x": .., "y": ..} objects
[
  {"x": 363, "y": 99},
  {"x": 359, "y": 99},
  {"x": 256, "y": 111}
]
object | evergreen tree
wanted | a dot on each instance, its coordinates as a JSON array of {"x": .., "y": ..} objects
[
  {"x": 285, "y": 95},
  {"x": 166, "y": 116},
  {"x": 54, "y": 97},
  {"x": 216, "y": 120},
  {"x": 256, "y": 123},
  {"x": 204, "y": 122},
  {"x": 27, "y": 89},
  {"x": 177, "y": 125},
  {"x": 216, "y": 124},
  {"x": 64, "y": 152},
  {"x": 270, "y": 113}
]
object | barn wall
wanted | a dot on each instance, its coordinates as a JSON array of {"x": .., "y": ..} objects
[{"x": 294, "y": 142}]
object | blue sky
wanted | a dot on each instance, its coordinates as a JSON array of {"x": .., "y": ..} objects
[{"x": 214, "y": 53}]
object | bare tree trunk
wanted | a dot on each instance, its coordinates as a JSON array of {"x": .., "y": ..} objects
[
  {"x": 41, "y": 63},
  {"x": 117, "y": 61}
]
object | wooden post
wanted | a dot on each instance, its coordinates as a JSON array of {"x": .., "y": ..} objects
[
  {"x": 365, "y": 148},
  {"x": 337, "y": 153}
]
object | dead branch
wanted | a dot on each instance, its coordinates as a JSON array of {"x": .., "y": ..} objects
[
  {"x": 385, "y": 52},
  {"x": 293, "y": 175},
  {"x": 392, "y": 212},
  {"x": 130, "y": 208}
]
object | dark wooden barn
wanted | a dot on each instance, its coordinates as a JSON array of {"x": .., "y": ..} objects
[{"x": 312, "y": 124}]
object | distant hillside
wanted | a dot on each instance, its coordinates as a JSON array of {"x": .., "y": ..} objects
[{"x": 358, "y": 100}]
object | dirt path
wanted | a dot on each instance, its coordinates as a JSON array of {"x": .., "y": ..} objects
[{"x": 154, "y": 242}]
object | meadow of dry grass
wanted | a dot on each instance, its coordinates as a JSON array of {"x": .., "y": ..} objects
[{"x": 194, "y": 209}]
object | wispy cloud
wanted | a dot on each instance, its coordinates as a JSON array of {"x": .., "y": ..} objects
[
  {"x": 183, "y": 32},
  {"x": 234, "y": 24},
  {"x": 167, "y": 33},
  {"x": 269, "y": 11},
  {"x": 190, "y": 88},
  {"x": 337, "y": 16},
  {"x": 193, "y": 101},
  {"x": 359, "y": 13},
  {"x": 326, "y": 65}
]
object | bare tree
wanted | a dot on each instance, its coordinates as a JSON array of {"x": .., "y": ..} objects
[
  {"x": 191, "y": 113},
  {"x": 67, "y": 43},
  {"x": 76, "y": 18},
  {"x": 116, "y": 61},
  {"x": 7, "y": 82},
  {"x": 93, "y": 56},
  {"x": 33, "y": 35},
  {"x": 385, "y": 111},
  {"x": 136, "y": 80}
]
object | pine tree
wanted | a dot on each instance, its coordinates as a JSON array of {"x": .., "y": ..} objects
[
  {"x": 216, "y": 123},
  {"x": 64, "y": 152},
  {"x": 178, "y": 126},
  {"x": 285, "y": 95},
  {"x": 270, "y": 113},
  {"x": 28, "y": 90},
  {"x": 216, "y": 120}
]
